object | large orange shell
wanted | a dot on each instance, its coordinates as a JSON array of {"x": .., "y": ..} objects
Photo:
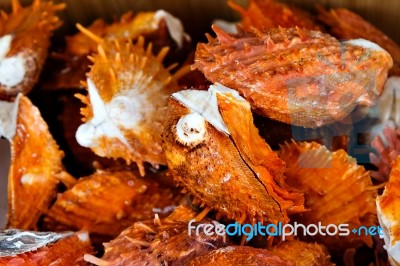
[
  {"x": 160, "y": 242},
  {"x": 296, "y": 76},
  {"x": 265, "y": 14},
  {"x": 128, "y": 94},
  {"x": 237, "y": 175},
  {"x": 336, "y": 189},
  {"x": 36, "y": 168},
  {"x": 107, "y": 202},
  {"x": 31, "y": 28}
]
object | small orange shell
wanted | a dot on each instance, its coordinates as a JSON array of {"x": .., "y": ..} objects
[
  {"x": 336, "y": 189},
  {"x": 120, "y": 196},
  {"x": 29, "y": 30},
  {"x": 36, "y": 168}
]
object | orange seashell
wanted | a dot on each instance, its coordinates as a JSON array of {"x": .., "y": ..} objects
[
  {"x": 28, "y": 248},
  {"x": 130, "y": 26},
  {"x": 344, "y": 24},
  {"x": 296, "y": 76},
  {"x": 302, "y": 253},
  {"x": 25, "y": 39},
  {"x": 214, "y": 151},
  {"x": 336, "y": 190},
  {"x": 128, "y": 91},
  {"x": 388, "y": 205},
  {"x": 266, "y": 14},
  {"x": 120, "y": 196},
  {"x": 162, "y": 29},
  {"x": 36, "y": 168},
  {"x": 160, "y": 242}
]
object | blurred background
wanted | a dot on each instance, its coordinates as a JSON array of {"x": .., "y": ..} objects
[{"x": 198, "y": 14}]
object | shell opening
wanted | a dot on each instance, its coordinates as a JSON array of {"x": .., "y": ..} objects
[{"x": 191, "y": 129}]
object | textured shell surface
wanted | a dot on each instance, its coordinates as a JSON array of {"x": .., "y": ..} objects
[
  {"x": 36, "y": 163},
  {"x": 336, "y": 189},
  {"x": 294, "y": 75},
  {"x": 228, "y": 168}
]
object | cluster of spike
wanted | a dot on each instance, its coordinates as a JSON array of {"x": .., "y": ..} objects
[
  {"x": 128, "y": 93},
  {"x": 294, "y": 75},
  {"x": 27, "y": 31}
]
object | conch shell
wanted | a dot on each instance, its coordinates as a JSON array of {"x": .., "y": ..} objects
[
  {"x": 128, "y": 90},
  {"x": 388, "y": 206},
  {"x": 36, "y": 168},
  {"x": 336, "y": 190},
  {"x": 214, "y": 151},
  {"x": 24, "y": 41},
  {"x": 305, "y": 78}
]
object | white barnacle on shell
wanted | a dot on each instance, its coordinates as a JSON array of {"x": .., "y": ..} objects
[
  {"x": 191, "y": 129},
  {"x": 205, "y": 103}
]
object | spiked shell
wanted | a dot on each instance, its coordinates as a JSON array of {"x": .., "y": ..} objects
[
  {"x": 296, "y": 76},
  {"x": 30, "y": 29},
  {"x": 130, "y": 26},
  {"x": 160, "y": 242},
  {"x": 36, "y": 168},
  {"x": 237, "y": 175},
  {"x": 128, "y": 94},
  {"x": 266, "y": 14},
  {"x": 336, "y": 189},
  {"x": 388, "y": 206},
  {"x": 120, "y": 196}
]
